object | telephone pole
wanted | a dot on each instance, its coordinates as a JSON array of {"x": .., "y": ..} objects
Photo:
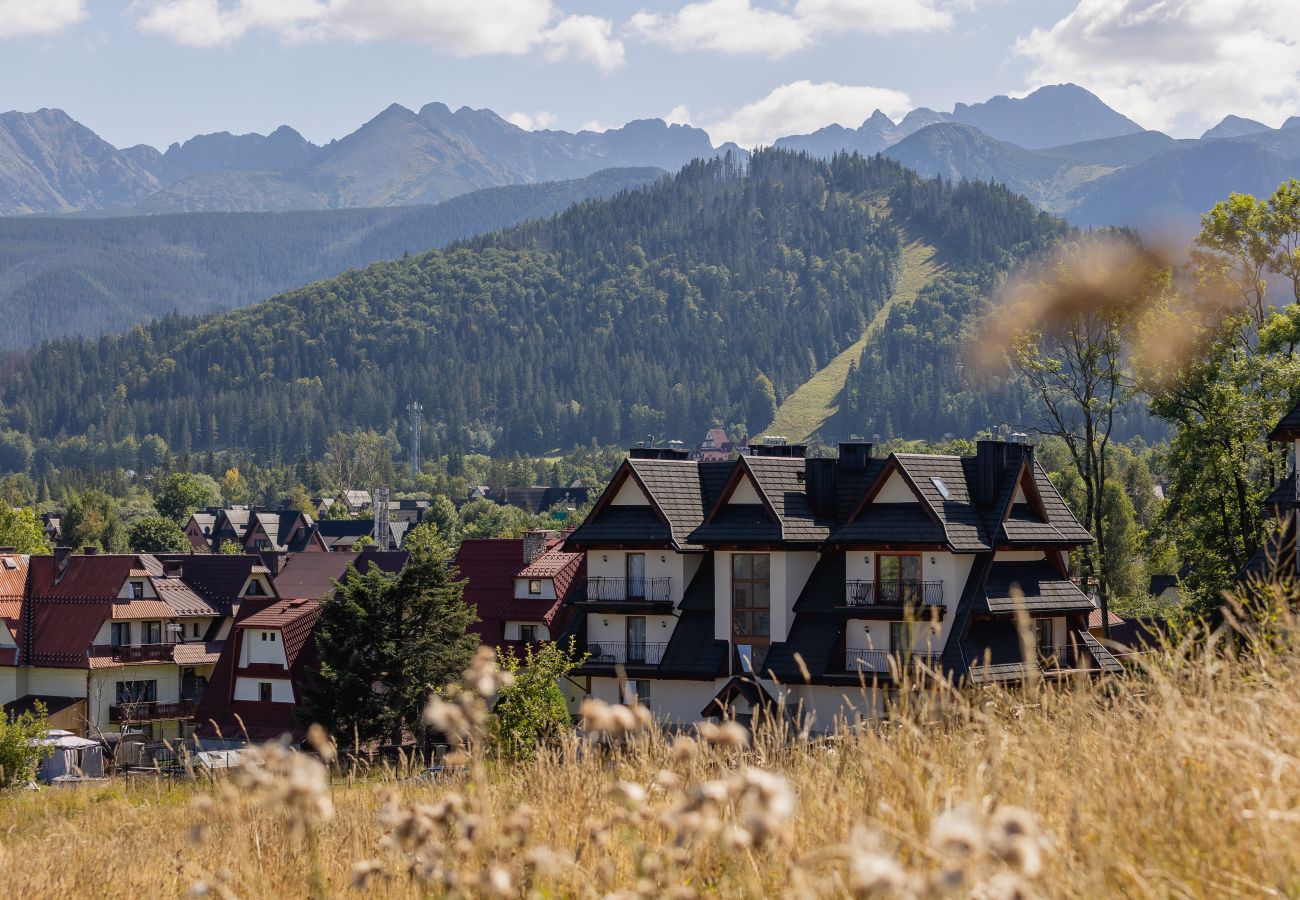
[{"x": 416, "y": 414}]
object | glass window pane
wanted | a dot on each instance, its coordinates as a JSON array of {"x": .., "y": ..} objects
[
  {"x": 889, "y": 568},
  {"x": 762, "y": 625},
  {"x": 762, "y": 565},
  {"x": 762, "y": 596},
  {"x": 911, "y": 568},
  {"x": 740, "y": 565},
  {"x": 742, "y": 596},
  {"x": 739, "y": 622}
]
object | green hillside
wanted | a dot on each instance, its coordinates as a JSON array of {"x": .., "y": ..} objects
[
  {"x": 61, "y": 276},
  {"x": 654, "y": 312}
]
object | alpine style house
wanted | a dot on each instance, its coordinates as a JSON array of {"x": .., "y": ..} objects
[{"x": 713, "y": 587}]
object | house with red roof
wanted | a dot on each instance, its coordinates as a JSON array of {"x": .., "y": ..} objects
[
  {"x": 270, "y": 655},
  {"x": 13, "y": 584},
  {"x": 118, "y": 641},
  {"x": 522, "y": 589}
]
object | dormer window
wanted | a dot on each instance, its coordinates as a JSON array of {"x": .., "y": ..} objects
[
  {"x": 136, "y": 590},
  {"x": 535, "y": 586}
]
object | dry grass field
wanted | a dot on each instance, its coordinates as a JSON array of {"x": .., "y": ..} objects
[{"x": 1178, "y": 781}]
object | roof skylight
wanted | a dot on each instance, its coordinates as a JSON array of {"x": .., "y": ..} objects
[{"x": 940, "y": 487}]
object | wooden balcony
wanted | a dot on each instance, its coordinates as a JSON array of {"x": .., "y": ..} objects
[
  {"x": 135, "y": 653},
  {"x": 886, "y": 662},
  {"x": 609, "y": 653},
  {"x": 150, "y": 711},
  {"x": 893, "y": 595},
  {"x": 629, "y": 594}
]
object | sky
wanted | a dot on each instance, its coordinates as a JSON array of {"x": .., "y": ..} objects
[{"x": 158, "y": 71}]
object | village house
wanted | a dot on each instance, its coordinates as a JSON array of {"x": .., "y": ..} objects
[
  {"x": 267, "y": 660},
  {"x": 253, "y": 530},
  {"x": 1277, "y": 559},
  {"x": 109, "y": 642},
  {"x": 712, "y": 587}
]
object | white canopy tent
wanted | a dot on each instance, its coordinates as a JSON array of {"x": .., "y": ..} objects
[{"x": 73, "y": 757}]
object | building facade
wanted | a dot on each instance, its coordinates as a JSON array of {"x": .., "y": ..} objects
[{"x": 810, "y": 584}]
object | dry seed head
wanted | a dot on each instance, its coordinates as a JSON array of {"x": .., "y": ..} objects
[
  {"x": 200, "y": 888},
  {"x": 629, "y": 793},
  {"x": 878, "y": 874},
  {"x": 363, "y": 870},
  {"x": 320, "y": 741},
  {"x": 728, "y": 734},
  {"x": 957, "y": 833},
  {"x": 498, "y": 882},
  {"x": 683, "y": 749}
]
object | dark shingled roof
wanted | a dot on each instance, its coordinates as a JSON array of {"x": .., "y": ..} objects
[
  {"x": 622, "y": 525},
  {"x": 674, "y": 487},
  {"x": 1288, "y": 428},
  {"x": 1283, "y": 495},
  {"x": 1058, "y": 512},
  {"x": 1106, "y": 660},
  {"x": 892, "y": 523},
  {"x": 815, "y": 632},
  {"x": 739, "y": 523},
  {"x": 961, "y": 519},
  {"x": 781, "y": 481},
  {"x": 1044, "y": 589},
  {"x": 692, "y": 650}
]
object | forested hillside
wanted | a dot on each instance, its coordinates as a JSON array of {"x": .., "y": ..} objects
[
  {"x": 90, "y": 276},
  {"x": 699, "y": 299}
]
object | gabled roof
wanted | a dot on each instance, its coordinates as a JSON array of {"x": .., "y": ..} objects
[
  {"x": 783, "y": 515},
  {"x": 216, "y": 578},
  {"x": 313, "y": 574},
  {"x": 294, "y": 618},
  {"x": 96, "y": 577},
  {"x": 676, "y": 506},
  {"x": 692, "y": 650},
  {"x": 489, "y": 567},
  {"x": 1288, "y": 428},
  {"x": 1042, "y": 587}
]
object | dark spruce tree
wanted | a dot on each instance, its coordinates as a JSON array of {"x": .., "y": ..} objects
[{"x": 386, "y": 642}]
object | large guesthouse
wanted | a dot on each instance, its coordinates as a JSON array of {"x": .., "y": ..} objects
[{"x": 713, "y": 586}]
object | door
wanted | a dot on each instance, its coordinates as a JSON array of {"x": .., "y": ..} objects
[
  {"x": 899, "y": 578},
  {"x": 636, "y": 639},
  {"x": 636, "y": 576}
]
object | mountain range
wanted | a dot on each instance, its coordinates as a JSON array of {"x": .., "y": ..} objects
[{"x": 1060, "y": 145}]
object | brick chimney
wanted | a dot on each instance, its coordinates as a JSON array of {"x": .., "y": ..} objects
[{"x": 535, "y": 544}]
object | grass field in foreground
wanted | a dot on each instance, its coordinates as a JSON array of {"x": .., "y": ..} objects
[{"x": 1182, "y": 781}]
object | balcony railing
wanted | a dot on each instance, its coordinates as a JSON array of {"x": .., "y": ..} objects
[
  {"x": 150, "y": 711},
  {"x": 636, "y": 654},
  {"x": 624, "y": 590},
  {"x": 886, "y": 661},
  {"x": 893, "y": 593},
  {"x": 1058, "y": 657},
  {"x": 135, "y": 653}
]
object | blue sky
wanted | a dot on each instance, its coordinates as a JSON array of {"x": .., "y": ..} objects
[{"x": 156, "y": 71}]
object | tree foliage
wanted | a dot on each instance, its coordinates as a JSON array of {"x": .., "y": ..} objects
[
  {"x": 531, "y": 707},
  {"x": 386, "y": 642},
  {"x": 181, "y": 493},
  {"x": 158, "y": 535},
  {"x": 21, "y": 747},
  {"x": 21, "y": 529}
]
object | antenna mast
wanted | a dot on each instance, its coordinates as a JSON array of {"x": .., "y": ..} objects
[{"x": 416, "y": 413}]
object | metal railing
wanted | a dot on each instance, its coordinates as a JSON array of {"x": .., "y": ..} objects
[
  {"x": 893, "y": 593},
  {"x": 622, "y": 590},
  {"x": 134, "y": 653},
  {"x": 886, "y": 661},
  {"x": 150, "y": 711},
  {"x": 611, "y": 652},
  {"x": 1063, "y": 656}
]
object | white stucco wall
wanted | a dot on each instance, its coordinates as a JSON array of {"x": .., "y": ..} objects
[
  {"x": 630, "y": 494},
  {"x": 247, "y": 689},
  {"x": 744, "y": 493},
  {"x": 613, "y": 627},
  {"x": 253, "y": 649},
  {"x": 145, "y": 583},
  {"x": 679, "y": 568},
  {"x": 547, "y": 585},
  {"x": 103, "y": 687},
  {"x": 56, "y": 682},
  {"x": 895, "y": 490}
]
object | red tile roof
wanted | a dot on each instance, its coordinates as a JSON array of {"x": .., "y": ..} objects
[
  {"x": 98, "y": 577},
  {"x": 295, "y": 619},
  {"x": 147, "y": 608},
  {"x": 1094, "y": 619},
  {"x": 490, "y": 567},
  {"x": 13, "y": 581},
  {"x": 313, "y": 574},
  {"x": 198, "y": 653}
]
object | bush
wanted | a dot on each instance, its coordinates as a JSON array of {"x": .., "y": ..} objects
[
  {"x": 20, "y": 750},
  {"x": 531, "y": 708}
]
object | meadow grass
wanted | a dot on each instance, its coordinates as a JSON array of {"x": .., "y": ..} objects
[{"x": 1180, "y": 780}]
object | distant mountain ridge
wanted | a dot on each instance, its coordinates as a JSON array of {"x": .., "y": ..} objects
[{"x": 1060, "y": 145}]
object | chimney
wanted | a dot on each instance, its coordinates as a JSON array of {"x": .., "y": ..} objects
[
  {"x": 535, "y": 544},
  {"x": 61, "y": 557},
  {"x": 854, "y": 456},
  {"x": 991, "y": 460},
  {"x": 777, "y": 445},
  {"x": 274, "y": 563},
  {"x": 657, "y": 453},
  {"x": 7, "y": 549},
  {"x": 820, "y": 483},
  {"x": 172, "y": 568},
  {"x": 88, "y": 550}
]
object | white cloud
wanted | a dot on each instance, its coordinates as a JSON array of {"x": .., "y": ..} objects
[
  {"x": 587, "y": 38},
  {"x": 593, "y": 125},
  {"x": 729, "y": 26},
  {"x": 678, "y": 115},
  {"x": 741, "y": 27},
  {"x": 1168, "y": 63},
  {"x": 463, "y": 27},
  {"x": 803, "y": 106},
  {"x": 538, "y": 121},
  {"x": 19, "y": 18}
]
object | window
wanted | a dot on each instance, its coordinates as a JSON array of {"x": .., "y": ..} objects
[
  {"x": 751, "y": 598},
  {"x": 119, "y": 634},
  {"x": 636, "y": 693},
  {"x": 136, "y": 590},
  {"x": 535, "y": 586},
  {"x": 263, "y": 635},
  {"x": 902, "y": 636},
  {"x": 1043, "y": 629},
  {"x": 254, "y": 589},
  {"x": 528, "y": 633},
  {"x": 636, "y": 639},
  {"x": 636, "y": 576},
  {"x": 151, "y": 632},
  {"x": 194, "y": 629},
  {"x": 273, "y": 634},
  {"x": 136, "y": 692},
  {"x": 264, "y": 691},
  {"x": 898, "y": 578}
]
